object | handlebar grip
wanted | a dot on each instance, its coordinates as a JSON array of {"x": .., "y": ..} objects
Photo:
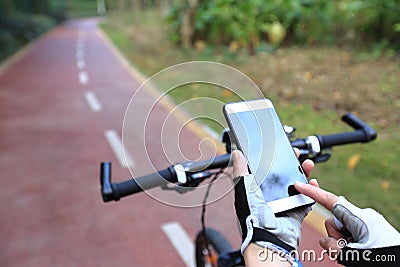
[
  {"x": 133, "y": 186},
  {"x": 124, "y": 188},
  {"x": 327, "y": 141},
  {"x": 105, "y": 181},
  {"x": 221, "y": 161},
  {"x": 363, "y": 133},
  {"x": 354, "y": 122}
]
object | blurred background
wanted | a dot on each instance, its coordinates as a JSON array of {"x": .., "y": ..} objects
[{"x": 316, "y": 59}]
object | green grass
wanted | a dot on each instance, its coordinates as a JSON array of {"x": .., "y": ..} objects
[
  {"x": 81, "y": 8},
  {"x": 311, "y": 88}
]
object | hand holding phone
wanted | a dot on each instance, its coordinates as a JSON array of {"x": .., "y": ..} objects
[
  {"x": 258, "y": 133},
  {"x": 270, "y": 212},
  {"x": 256, "y": 217}
]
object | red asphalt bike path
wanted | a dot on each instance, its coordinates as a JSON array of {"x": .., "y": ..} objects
[{"x": 51, "y": 146}]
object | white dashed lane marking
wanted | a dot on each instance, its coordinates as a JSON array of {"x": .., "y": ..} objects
[
  {"x": 83, "y": 77},
  {"x": 181, "y": 242},
  {"x": 80, "y": 64},
  {"x": 80, "y": 53},
  {"x": 125, "y": 159},
  {"x": 93, "y": 102}
]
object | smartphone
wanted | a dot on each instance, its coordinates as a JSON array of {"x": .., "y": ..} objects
[{"x": 257, "y": 131}]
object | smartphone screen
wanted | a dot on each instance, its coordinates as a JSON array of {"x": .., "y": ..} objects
[{"x": 259, "y": 134}]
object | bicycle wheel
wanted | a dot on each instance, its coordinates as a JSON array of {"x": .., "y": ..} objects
[{"x": 208, "y": 246}]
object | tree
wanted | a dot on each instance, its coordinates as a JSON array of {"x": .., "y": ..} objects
[{"x": 188, "y": 20}]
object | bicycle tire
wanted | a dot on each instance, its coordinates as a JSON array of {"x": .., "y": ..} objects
[{"x": 208, "y": 246}]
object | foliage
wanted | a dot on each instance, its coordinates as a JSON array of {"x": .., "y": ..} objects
[
  {"x": 17, "y": 31},
  {"x": 374, "y": 20},
  {"x": 21, "y": 21},
  {"x": 305, "y": 21},
  {"x": 80, "y": 8},
  {"x": 225, "y": 21},
  {"x": 55, "y": 9}
]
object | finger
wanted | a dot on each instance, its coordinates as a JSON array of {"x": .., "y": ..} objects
[
  {"x": 330, "y": 244},
  {"x": 239, "y": 164},
  {"x": 321, "y": 196},
  {"x": 308, "y": 166},
  {"x": 313, "y": 182},
  {"x": 296, "y": 151},
  {"x": 332, "y": 229}
]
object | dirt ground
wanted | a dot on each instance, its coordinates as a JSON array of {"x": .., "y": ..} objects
[{"x": 336, "y": 79}]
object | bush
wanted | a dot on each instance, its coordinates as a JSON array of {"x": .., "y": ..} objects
[
  {"x": 248, "y": 22},
  {"x": 305, "y": 21},
  {"x": 42, "y": 23},
  {"x": 19, "y": 30},
  {"x": 374, "y": 21}
]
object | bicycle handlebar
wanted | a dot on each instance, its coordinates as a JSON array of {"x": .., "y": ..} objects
[
  {"x": 363, "y": 133},
  {"x": 115, "y": 191},
  {"x": 184, "y": 173}
]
